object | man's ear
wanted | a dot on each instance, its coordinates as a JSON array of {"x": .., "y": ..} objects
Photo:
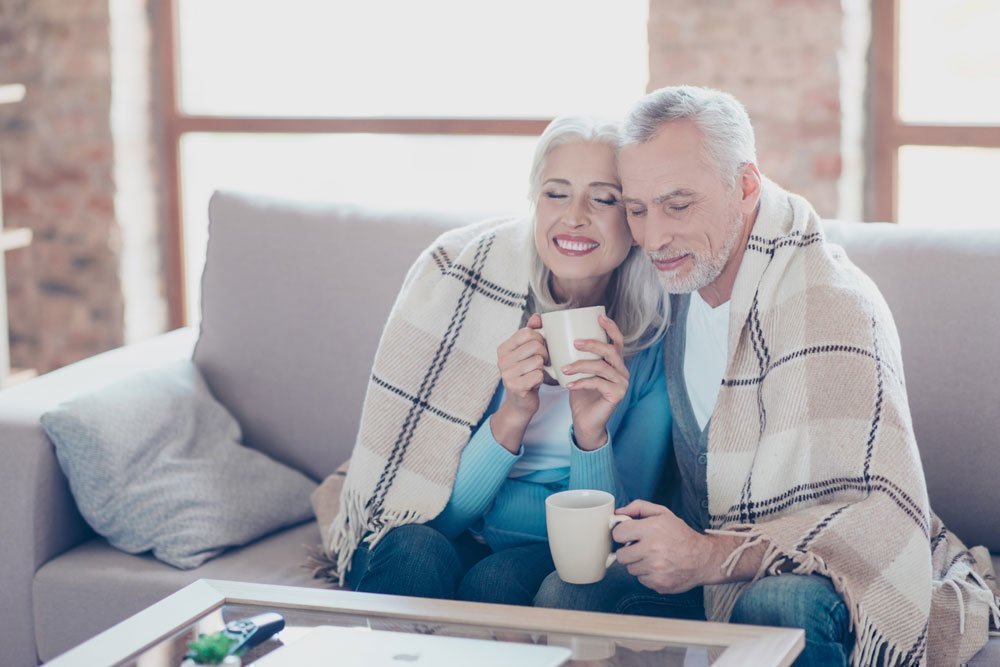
[{"x": 750, "y": 182}]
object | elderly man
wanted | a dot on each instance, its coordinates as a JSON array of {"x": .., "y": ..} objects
[{"x": 795, "y": 453}]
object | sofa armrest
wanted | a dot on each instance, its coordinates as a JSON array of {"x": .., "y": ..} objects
[{"x": 39, "y": 519}]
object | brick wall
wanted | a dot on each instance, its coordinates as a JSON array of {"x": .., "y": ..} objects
[
  {"x": 61, "y": 152},
  {"x": 778, "y": 57},
  {"x": 57, "y": 160}
]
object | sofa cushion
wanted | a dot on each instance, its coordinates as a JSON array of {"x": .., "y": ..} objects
[
  {"x": 294, "y": 299},
  {"x": 112, "y": 585},
  {"x": 940, "y": 286},
  {"x": 154, "y": 463}
]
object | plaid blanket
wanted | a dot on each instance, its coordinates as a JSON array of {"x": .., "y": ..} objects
[
  {"x": 434, "y": 374},
  {"x": 811, "y": 452}
]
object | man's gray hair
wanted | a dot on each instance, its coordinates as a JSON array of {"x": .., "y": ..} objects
[{"x": 722, "y": 119}]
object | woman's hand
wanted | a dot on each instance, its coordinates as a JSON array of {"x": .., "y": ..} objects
[
  {"x": 520, "y": 359},
  {"x": 593, "y": 400}
]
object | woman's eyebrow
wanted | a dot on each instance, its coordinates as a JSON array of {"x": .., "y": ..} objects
[{"x": 607, "y": 185}]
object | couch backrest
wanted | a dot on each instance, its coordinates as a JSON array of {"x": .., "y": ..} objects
[
  {"x": 942, "y": 288},
  {"x": 294, "y": 298}
]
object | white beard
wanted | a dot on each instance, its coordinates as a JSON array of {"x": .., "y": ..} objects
[{"x": 705, "y": 267}]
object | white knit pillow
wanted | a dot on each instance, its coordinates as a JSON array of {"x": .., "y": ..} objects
[{"x": 155, "y": 463}]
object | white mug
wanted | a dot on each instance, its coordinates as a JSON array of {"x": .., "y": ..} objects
[
  {"x": 560, "y": 328},
  {"x": 579, "y": 524}
]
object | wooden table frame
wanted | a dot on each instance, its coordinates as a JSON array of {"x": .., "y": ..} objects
[{"x": 741, "y": 644}]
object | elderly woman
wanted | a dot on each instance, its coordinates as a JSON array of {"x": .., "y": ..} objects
[{"x": 446, "y": 491}]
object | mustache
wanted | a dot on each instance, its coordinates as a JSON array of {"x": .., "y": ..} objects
[{"x": 667, "y": 255}]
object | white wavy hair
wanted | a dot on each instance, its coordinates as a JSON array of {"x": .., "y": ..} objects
[
  {"x": 636, "y": 301},
  {"x": 728, "y": 135}
]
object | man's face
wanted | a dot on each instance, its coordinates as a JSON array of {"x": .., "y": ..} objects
[{"x": 679, "y": 209}]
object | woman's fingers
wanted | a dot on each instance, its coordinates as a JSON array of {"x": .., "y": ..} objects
[
  {"x": 525, "y": 375},
  {"x": 532, "y": 348},
  {"x": 522, "y": 345},
  {"x": 598, "y": 367},
  {"x": 614, "y": 333},
  {"x": 607, "y": 351},
  {"x": 527, "y": 382},
  {"x": 612, "y": 392}
]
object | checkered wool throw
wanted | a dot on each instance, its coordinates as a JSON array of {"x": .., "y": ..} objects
[
  {"x": 811, "y": 452},
  {"x": 433, "y": 377}
]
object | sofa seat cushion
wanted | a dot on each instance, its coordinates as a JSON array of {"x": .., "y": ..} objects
[
  {"x": 94, "y": 586},
  {"x": 989, "y": 656}
]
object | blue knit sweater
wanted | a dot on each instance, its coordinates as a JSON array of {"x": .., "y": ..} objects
[{"x": 509, "y": 512}]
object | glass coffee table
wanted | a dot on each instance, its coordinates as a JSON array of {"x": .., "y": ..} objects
[{"x": 158, "y": 636}]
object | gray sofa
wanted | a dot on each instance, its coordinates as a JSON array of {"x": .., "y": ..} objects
[{"x": 294, "y": 298}]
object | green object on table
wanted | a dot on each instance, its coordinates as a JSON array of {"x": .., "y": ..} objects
[{"x": 211, "y": 649}]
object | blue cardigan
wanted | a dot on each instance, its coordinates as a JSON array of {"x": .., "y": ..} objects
[{"x": 511, "y": 512}]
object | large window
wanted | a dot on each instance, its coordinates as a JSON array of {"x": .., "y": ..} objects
[
  {"x": 937, "y": 112},
  {"x": 433, "y": 104}
]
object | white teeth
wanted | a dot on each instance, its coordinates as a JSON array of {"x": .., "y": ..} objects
[{"x": 575, "y": 245}]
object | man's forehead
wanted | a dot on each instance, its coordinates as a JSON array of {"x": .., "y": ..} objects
[
  {"x": 670, "y": 161},
  {"x": 659, "y": 180}
]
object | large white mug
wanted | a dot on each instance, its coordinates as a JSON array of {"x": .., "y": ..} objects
[
  {"x": 579, "y": 524},
  {"x": 560, "y": 328}
]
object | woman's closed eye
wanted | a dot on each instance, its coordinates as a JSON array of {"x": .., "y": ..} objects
[
  {"x": 607, "y": 201},
  {"x": 554, "y": 195}
]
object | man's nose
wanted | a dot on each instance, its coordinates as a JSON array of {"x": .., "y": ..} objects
[{"x": 657, "y": 233}]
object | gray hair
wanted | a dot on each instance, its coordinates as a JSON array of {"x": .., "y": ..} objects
[
  {"x": 637, "y": 303},
  {"x": 729, "y": 138}
]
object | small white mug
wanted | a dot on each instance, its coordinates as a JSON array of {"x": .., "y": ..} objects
[
  {"x": 579, "y": 524},
  {"x": 560, "y": 328}
]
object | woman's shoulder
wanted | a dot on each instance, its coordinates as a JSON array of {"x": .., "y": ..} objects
[{"x": 503, "y": 228}]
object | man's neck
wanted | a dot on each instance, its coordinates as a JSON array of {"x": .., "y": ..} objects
[{"x": 720, "y": 290}]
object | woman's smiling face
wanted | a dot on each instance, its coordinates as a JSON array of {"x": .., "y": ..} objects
[{"x": 580, "y": 229}]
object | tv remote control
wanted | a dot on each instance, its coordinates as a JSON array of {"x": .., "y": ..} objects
[{"x": 248, "y": 632}]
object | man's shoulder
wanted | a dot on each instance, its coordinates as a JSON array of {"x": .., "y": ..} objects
[{"x": 832, "y": 298}]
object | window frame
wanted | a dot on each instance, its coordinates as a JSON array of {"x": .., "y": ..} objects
[
  {"x": 889, "y": 132},
  {"x": 174, "y": 124}
]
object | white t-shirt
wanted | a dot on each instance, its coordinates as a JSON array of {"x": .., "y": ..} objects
[
  {"x": 546, "y": 440},
  {"x": 706, "y": 344}
]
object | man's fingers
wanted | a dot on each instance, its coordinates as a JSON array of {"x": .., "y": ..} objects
[
  {"x": 630, "y": 533},
  {"x": 639, "y": 509},
  {"x": 629, "y": 554}
]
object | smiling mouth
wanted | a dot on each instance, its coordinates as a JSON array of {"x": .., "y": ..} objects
[
  {"x": 575, "y": 247},
  {"x": 669, "y": 263}
]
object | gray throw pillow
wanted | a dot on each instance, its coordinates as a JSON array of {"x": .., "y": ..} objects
[{"x": 155, "y": 463}]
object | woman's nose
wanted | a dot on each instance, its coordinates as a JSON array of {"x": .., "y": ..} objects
[{"x": 576, "y": 216}]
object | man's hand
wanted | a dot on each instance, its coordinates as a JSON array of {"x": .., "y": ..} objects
[{"x": 669, "y": 557}]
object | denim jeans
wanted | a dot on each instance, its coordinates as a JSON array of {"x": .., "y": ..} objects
[
  {"x": 420, "y": 561},
  {"x": 807, "y": 602},
  {"x": 619, "y": 593}
]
